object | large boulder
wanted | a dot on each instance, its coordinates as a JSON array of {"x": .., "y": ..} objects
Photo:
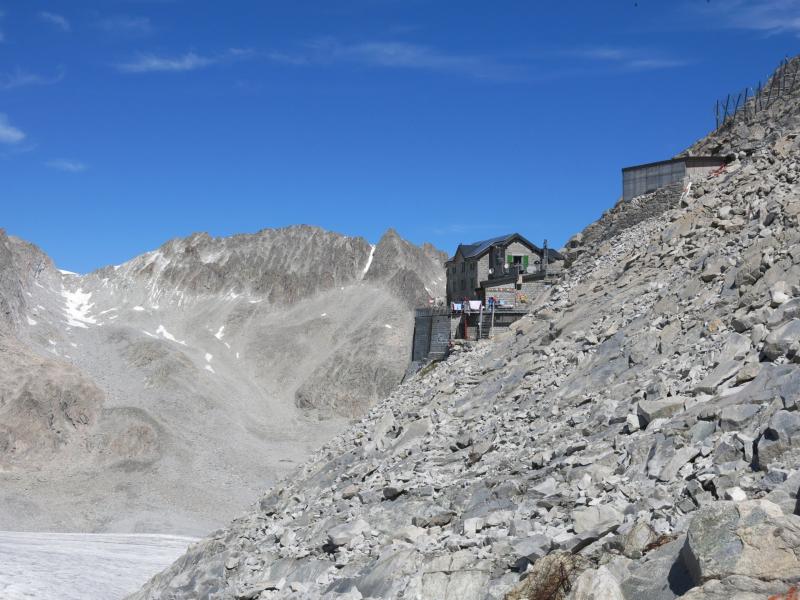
[
  {"x": 743, "y": 545},
  {"x": 649, "y": 410},
  {"x": 783, "y": 431},
  {"x": 596, "y": 518},
  {"x": 346, "y": 532},
  {"x": 782, "y": 341},
  {"x": 597, "y": 584}
]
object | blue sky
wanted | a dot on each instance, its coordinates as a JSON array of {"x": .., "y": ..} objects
[{"x": 127, "y": 123}]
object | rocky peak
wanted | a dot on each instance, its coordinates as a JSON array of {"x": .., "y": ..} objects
[
  {"x": 280, "y": 265},
  {"x": 414, "y": 273}
]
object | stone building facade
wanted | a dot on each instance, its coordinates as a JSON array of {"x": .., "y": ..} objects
[{"x": 476, "y": 266}]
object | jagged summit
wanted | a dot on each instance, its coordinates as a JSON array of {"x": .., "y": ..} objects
[
  {"x": 191, "y": 376},
  {"x": 398, "y": 263},
  {"x": 279, "y": 265},
  {"x": 637, "y": 436}
]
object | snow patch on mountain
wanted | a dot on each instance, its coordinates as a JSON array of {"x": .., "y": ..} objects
[
  {"x": 77, "y": 308},
  {"x": 162, "y": 331},
  {"x": 369, "y": 261}
]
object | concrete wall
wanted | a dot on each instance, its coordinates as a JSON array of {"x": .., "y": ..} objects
[
  {"x": 440, "y": 337},
  {"x": 646, "y": 179},
  {"x": 526, "y": 295},
  {"x": 505, "y": 293},
  {"x": 422, "y": 336},
  {"x": 701, "y": 171},
  {"x": 531, "y": 290},
  {"x": 431, "y": 339}
]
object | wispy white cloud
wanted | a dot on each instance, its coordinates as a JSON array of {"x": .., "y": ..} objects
[
  {"x": 397, "y": 55},
  {"x": 12, "y": 150},
  {"x": 191, "y": 61},
  {"x": 69, "y": 166},
  {"x": 56, "y": 20},
  {"x": 148, "y": 63},
  {"x": 770, "y": 16},
  {"x": 287, "y": 58},
  {"x": 651, "y": 64},
  {"x": 626, "y": 58},
  {"x": 126, "y": 25},
  {"x": 600, "y": 53},
  {"x": 8, "y": 133},
  {"x": 20, "y": 78}
]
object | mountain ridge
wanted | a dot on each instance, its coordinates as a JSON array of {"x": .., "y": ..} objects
[{"x": 182, "y": 367}]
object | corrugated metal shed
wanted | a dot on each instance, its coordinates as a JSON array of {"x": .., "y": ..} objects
[{"x": 646, "y": 178}]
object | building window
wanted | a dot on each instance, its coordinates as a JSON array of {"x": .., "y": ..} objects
[{"x": 463, "y": 267}]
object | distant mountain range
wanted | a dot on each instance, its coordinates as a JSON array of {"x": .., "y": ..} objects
[{"x": 162, "y": 394}]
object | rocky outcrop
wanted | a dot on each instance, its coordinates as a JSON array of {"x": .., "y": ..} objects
[
  {"x": 45, "y": 406},
  {"x": 21, "y": 264},
  {"x": 11, "y": 300},
  {"x": 413, "y": 273},
  {"x": 634, "y": 437}
]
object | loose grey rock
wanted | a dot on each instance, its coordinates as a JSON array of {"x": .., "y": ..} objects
[
  {"x": 344, "y": 533},
  {"x": 782, "y": 341},
  {"x": 650, "y": 410}
]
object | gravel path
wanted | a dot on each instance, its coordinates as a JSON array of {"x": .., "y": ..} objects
[{"x": 82, "y": 566}]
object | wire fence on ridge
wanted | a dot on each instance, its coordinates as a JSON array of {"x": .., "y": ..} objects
[{"x": 750, "y": 101}]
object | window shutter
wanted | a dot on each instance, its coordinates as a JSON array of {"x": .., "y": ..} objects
[
  {"x": 509, "y": 259},
  {"x": 525, "y": 261}
]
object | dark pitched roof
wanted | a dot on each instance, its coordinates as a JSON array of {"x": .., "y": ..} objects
[{"x": 477, "y": 249}]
